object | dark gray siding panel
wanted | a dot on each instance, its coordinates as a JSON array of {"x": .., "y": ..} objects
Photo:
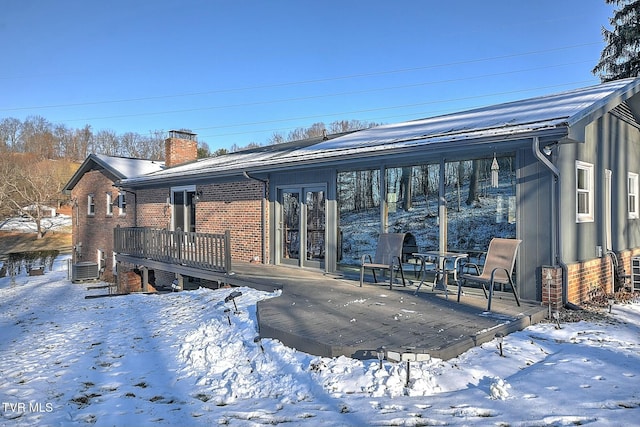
[
  {"x": 579, "y": 240},
  {"x": 534, "y": 223},
  {"x": 620, "y": 153}
]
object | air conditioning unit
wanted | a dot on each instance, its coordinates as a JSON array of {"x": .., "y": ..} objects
[{"x": 84, "y": 271}]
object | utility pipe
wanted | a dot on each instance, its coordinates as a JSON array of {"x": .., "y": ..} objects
[
  {"x": 556, "y": 235},
  {"x": 263, "y": 209}
]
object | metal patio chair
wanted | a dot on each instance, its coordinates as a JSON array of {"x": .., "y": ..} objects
[
  {"x": 497, "y": 269},
  {"x": 388, "y": 257}
]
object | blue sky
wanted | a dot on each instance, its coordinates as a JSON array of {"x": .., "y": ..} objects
[{"x": 236, "y": 72}]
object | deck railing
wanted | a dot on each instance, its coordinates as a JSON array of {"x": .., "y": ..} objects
[{"x": 198, "y": 250}]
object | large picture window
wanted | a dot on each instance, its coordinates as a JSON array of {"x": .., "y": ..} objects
[
  {"x": 480, "y": 195},
  {"x": 359, "y": 214},
  {"x": 481, "y": 202},
  {"x": 584, "y": 192}
]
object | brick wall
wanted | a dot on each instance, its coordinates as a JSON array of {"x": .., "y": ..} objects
[
  {"x": 588, "y": 278},
  {"x": 152, "y": 209},
  {"x": 130, "y": 280},
  {"x": 96, "y": 231},
  {"x": 234, "y": 206}
]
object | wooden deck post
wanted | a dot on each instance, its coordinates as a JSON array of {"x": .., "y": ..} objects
[
  {"x": 145, "y": 279},
  {"x": 227, "y": 254}
]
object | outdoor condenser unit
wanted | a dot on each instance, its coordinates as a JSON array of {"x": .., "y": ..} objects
[{"x": 84, "y": 271}]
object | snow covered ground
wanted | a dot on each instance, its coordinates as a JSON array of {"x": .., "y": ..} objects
[
  {"x": 27, "y": 225},
  {"x": 179, "y": 360}
]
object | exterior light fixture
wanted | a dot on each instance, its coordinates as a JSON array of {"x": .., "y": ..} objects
[
  {"x": 556, "y": 316},
  {"x": 548, "y": 149},
  {"x": 232, "y": 297},
  {"x": 500, "y": 338},
  {"x": 380, "y": 354},
  {"x": 226, "y": 311},
  {"x": 611, "y": 301},
  {"x": 258, "y": 341}
]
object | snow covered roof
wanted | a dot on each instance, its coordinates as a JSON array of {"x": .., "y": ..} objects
[
  {"x": 497, "y": 122},
  {"x": 119, "y": 167},
  {"x": 127, "y": 167}
]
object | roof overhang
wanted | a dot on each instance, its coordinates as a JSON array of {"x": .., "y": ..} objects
[{"x": 450, "y": 148}]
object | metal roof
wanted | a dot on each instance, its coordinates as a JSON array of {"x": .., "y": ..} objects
[
  {"x": 119, "y": 167},
  {"x": 561, "y": 110}
]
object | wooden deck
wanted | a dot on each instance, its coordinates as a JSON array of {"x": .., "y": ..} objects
[{"x": 331, "y": 315}]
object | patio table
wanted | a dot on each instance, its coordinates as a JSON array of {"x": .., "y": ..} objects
[{"x": 445, "y": 263}]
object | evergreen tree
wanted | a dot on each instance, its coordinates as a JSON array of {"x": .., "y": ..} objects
[{"x": 620, "y": 58}]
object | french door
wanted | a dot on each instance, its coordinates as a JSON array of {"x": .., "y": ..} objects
[{"x": 302, "y": 226}]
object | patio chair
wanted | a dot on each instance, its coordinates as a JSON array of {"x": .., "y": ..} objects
[
  {"x": 497, "y": 269},
  {"x": 388, "y": 257}
]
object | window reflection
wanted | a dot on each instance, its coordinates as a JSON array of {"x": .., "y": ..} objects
[{"x": 480, "y": 201}]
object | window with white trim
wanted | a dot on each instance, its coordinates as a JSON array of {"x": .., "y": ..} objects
[
  {"x": 91, "y": 205},
  {"x": 122, "y": 204},
  {"x": 109, "y": 204},
  {"x": 632, "y": 195},
  {"x": 584, "y": 192}
]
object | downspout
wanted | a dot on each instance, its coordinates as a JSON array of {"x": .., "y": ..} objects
[
  {"x": 556, "y": 235},
  {"x": 263, "y": 210}
]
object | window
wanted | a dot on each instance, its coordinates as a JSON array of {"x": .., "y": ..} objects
[
  {"x": 584, "y": 192},
  {"x": 109, "y": 205},
  {"x": 122, "y": 204},
  {"x": 632, "y": 198},
  {"x": 91, "y": 205}
]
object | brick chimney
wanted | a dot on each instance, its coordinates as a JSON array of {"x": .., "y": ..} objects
[{"x": 180, "y": 147}]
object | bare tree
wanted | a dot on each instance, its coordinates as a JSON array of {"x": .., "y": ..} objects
[
  {"x": 37, "y": 137},
  {"x": 9, "y": 133},
  {"x": 276, "y": 138},
  {"x": 106, "y": 142},
  {"x": 83, "y": 141},
  {"x": 31, "y": 184},
  {"x": 405, "y": 188},
  {"x": 155, "y": 145}
]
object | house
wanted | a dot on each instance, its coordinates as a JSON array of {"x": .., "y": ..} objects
[
  {"x": 45, "y": 211},
  {"x": 560, "y": 172},
  {"x": 98, "y": 207}
]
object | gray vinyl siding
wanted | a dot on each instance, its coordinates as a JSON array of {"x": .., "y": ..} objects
[
  {"x": 534, "y": 223},
  {"x": 621, "y": 154}
]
